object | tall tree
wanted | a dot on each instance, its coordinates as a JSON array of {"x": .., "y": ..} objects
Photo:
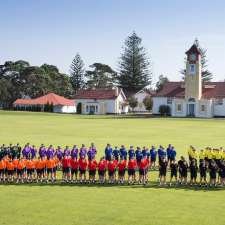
[
  {"x": 134, "y": 65},
  {"x": 206, "y": 74},
  {"x": 102, "y": 76},
  {"x": 77, "y": 73},
  {"x": 161, "y": 82}
]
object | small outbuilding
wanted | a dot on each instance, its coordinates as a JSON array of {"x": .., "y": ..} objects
[{"x": 58, "y": 103}]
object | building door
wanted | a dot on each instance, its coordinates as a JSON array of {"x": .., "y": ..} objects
[{"x": 191, "y": 110}]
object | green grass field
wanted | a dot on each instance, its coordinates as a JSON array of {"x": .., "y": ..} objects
[{"x": 122, "y": 205}]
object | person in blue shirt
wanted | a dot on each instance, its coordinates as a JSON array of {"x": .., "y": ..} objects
[
  {"x": 153, "y": 155},
  {"x": 144, "y": 152},
  {"x": 161, "y": 154},
  {"x": 108, "y": 152},
  {"x": 138, "y": 154},
  {"x": 173, "y": 154},
  {"x": 116, "y": 153},
  {"x": 131, "y": 152},
  {"x": 123, "y": 152},
  {"x": 168, "y": 152}
]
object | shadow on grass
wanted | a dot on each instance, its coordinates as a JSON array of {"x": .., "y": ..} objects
[{"x": 150, "y": 185}]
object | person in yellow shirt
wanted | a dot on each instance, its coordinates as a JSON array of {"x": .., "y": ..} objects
[
  {"x": 201, "y": 155},
  {"x": 190, "y": 153},
  {"x": 195, "y": 154},
  {"x": 209, "y": 155}
]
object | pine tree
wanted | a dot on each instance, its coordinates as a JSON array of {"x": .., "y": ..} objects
[
  {"x": 161, "y": 82},
  {"x": 77, "y": 73},
  {"x": 206, "y": 74},
  {"x": 134, "y": 71}
]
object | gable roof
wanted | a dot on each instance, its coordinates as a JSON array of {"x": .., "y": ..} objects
[
  {"x": 177, "y": 90},
  {"x": 193, "y": 49},
  {"x": 50, "y": 98},
  {"x": 99, "y": 94}
]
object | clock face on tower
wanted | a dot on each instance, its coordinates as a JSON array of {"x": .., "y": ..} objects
[{"x": 193, "y": 57}]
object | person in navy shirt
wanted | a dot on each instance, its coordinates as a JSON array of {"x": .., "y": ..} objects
[
  {"x": 144, "y": 152},
  {"x": 116, "y": 153},
  {"x": 108, "y": 152},
  {"x": 123, "y": 152},
  {"x": 138, "y": 154},
  {"x": 168, "y": 152},
  {"x": 153, "y": 155},
  {"x": 131, "y": 152},
  {"x": 161, "y": 153}
]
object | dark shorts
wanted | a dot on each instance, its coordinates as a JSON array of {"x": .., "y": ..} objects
[
  {"x": 10, "y": 172},
  {"x": 203, "y": 174},
  {"x": 162, "y": 172},
  {"x": 173, "y": 174},
  {"x": 121, "y": 173},
  {"x": 194, "y": 175},
  {"x": 131, "y": 172},
  {"x": 2, "y": 171},
  {"x": 101, "y": 173},
  {"x": 92, "y": 172},
  {"x": 82, "y": 171},
  {"x": 142, "y": 172},
  {"x": 40, "y": 171},
  {"x": 66, "y": 169},
  {"x": 50, "y": 170},
  {"x": 212, "y": 175},
  {"x": 153, "y": 159},
  {"x": 20, "y": 171},
  {"x": 74, "y": 171},
  {"x": 111, "y": 172},
  {"x": 30, "y": 171}
]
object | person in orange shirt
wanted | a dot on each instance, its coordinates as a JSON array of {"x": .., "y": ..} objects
[
  {"x": 51, "y": 169},
  {"x": 40, "y": 168},
  {"x": 30, "y": 165},
  {"x": 2, "y": 170},
  {"x": 10, "y": 170},
  {"x": 15, "y": 163},
  {"x": 21, "y": 165}
]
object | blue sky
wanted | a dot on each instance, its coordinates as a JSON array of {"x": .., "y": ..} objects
[{"x": 53, "y": 31}]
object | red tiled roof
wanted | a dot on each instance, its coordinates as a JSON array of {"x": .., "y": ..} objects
[
  {"x": 193, "y": 49},
  {"x": 176, "y": 89},
  {"x": 98, "y": 94},
  {"x": 50, "y": 98}
]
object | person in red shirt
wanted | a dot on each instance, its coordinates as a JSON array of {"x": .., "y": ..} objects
[
  {"x": 121, "y": 170},
  {"x": 143, "y": 169},
  {"x": 112, "y": 164},
  {"x": 74, "y": 169},
  {"x": 132, "y": 165},
  {"x": 92, "y": 166},
  {"x": 82, "y": 169},
  {"x": 30, "y": 165},
  {"x": 102, "y": 165},
  {"x": 66, "y": 168}
]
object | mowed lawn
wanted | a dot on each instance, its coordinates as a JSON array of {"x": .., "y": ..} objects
[{"x": 93, "y": 205}]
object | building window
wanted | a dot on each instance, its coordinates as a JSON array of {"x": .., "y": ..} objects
[
  {"x": 219, "y": 101},
  {"x": 192, "y": 69},
  {"x": 178, "y": 107},
  {"x": 87, "y": 109},
  {"x": 96, "y": 108},
  {"x": 169, "y": 101},
  {"x": 203, "y": 108}
]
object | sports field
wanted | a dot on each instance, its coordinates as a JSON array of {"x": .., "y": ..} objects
[{"x": 93, "y": 205}]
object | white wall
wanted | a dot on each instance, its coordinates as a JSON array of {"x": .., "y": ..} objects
[
  {"x": 157, "y": 102},
  {"x": 219, "y": 110},
  {"x": 208, "y": 113},
  {"x": 183, "y": 112},
  {"x": 64, "y": 109}
]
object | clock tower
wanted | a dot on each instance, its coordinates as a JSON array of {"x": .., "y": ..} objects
[{"x": 193, "y": 75}]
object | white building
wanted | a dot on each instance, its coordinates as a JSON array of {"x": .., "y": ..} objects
[
  {"x": 102, "y": 101},
  {"x": 192, "y": 98},
  {"x": 60, "y": 104},
  {"x": 140, "y": 96}
]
